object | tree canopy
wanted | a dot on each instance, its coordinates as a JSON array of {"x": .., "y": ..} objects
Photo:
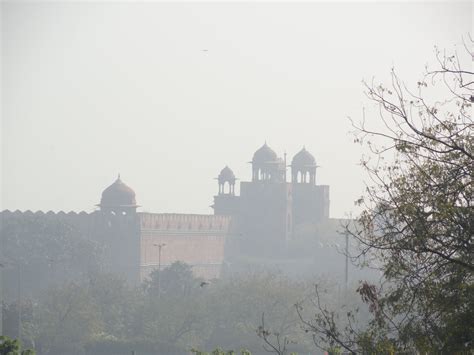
[{"x": 417, "y": 224}]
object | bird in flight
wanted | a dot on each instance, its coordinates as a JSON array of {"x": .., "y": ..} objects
[{"x": 204, "y": 283}]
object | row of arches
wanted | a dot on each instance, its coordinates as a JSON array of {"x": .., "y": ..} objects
[
  {"x": 226, "y": 188},
  {"x": 304, "y": 177},
  {"x": 307, "y": 176}
]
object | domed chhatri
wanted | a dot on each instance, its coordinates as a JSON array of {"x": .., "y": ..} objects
[
  {"x": 118, "y": 195},
  {"x": 303, "y": 168},
  {"x": 264, "y": 154},
  {"x": 226, "y": 174},
  {"x": 226, "y": 177},
  {"x": 303, "y": 159}
]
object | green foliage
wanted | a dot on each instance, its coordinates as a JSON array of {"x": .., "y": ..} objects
[
  {"x": 128, "y": 346},
  {"x": 10, "y": 321},
  {"x": 12, "y": 347},
  {"x": 103, "y": 315},
  {"x": 237, "y": 303},
  {"x": 66, "y": 318},
  {"x": 418, "y": 221},
  {"x": 219, "y": 351},
  {"x": 417, "y": 224},
  {"x": 177, "y": 280}
]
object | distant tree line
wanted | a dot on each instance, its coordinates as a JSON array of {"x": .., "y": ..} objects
[{"x": 102, "y": 314}]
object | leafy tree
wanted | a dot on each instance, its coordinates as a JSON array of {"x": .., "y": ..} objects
[
  {"x": 235, "y": 306},
  {"x": 11, "y": 324},
  {"x": 12, "y": 347},
  {"x": 417, "y": 224},
  {"x": 67, "y": 318},
  {"x": 219, "y": 351},
  {"x": 115, "y": 302},
  {"x": 102, "y": 315},
  {"x": 174, "y": 281},
  {"x": 173, "y": 310}
]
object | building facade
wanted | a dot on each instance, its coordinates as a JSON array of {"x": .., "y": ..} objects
[
  {"x": 266, "y": 213},
  {"x": 135, "y": 243},
  {"x": 270, "y": 208}
]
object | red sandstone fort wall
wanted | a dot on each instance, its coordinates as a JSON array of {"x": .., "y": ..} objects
[
  {"x": 197, "y": 240},
  {"x": 81, "y": 220}
]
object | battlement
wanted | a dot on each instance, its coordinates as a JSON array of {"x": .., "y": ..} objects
[
  {"x": 183, "y": 222},
  {"x": 42, "y": 213},
  {"x": 82, "y": 220}
]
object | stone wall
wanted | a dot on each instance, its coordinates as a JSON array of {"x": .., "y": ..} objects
[
  {"x": 39, "y": 249},
  {"x": 131, "y": 241},
  {"x": 197, "y": 240}
]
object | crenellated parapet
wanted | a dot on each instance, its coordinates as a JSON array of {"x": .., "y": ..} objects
[
  {"x": 80, "y": 219},
  {"x": 184, "y": 222},
  {"x": 42, "y": 213}
]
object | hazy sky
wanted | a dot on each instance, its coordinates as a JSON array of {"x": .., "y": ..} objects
[{"x": 93, "y": 89}]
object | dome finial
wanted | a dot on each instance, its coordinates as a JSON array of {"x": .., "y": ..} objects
[
  {"x": 226, "y": 174},
  {"x": 303, "y": 159},
  {"x": 118, "y": 195},
  {"x": 118, "y": 176},
  {"x": 264, "y": 154}
]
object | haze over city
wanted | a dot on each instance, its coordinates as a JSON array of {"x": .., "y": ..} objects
[
  {"x": 236, "y": 178},
  {"x": 167, "y": 94}
]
